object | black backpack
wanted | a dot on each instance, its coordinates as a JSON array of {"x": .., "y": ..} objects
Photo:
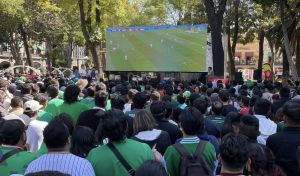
[{"x": 193, "y": 165}]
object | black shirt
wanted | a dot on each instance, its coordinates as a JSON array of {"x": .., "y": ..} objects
[
  {"x": 284, "y": 145},
  {"x": 211, "y": 128},
  {"x": 278, "y": 104},
  {"x": 172, "y": 129},
  {"x": 227, "y": 109}
]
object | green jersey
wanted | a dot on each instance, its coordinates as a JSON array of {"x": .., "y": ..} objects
[
  {"x": 53, "y": 105},
  {"x": 89, "y": 102},
  {"x": 17, "y": 163},
  {"x": 45, "y": 116},
  {"x": 135, "y": 153},
  {"x": 74, "y": 109}
]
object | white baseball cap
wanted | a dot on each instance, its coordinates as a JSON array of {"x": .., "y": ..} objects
[{"x": 32, "y": 105}]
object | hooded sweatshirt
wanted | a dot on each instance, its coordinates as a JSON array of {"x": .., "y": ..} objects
[{"x": 157, "y": 139}]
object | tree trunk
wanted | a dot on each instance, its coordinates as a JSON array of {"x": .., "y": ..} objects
[
  {"x": 285, "y": 65},
  {"x": 235, "y": 38},
  {"x": 215, "y": 18},
  {"x": 271, "y": 45},
  {"x": 86, "y": 28},
  {"x": 230, "y": 54},
  {"x": 286, "y": 42},
  {"x": 68, "y": 54},
  {"x": 261, "y": 50},
  {"x": 298, "y": 54},
  {"x": 26, "y": 46},
  {"x": 15, "y": 49},
  {"x": 98, "y": 14},
  {"x": 217, "y": 49}
]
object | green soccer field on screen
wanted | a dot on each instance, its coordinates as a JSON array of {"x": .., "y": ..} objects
[{"x": 161, "y": 48}]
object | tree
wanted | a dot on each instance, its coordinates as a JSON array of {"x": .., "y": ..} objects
[
  {"x": 286, "y": 41},
  {"x": 11, "y": 14},
  {"x": 215, "y": 11},
  {"x": 235, "y": 23}
]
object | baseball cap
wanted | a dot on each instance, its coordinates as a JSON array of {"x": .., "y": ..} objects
[{"x": 32, "y": 105}]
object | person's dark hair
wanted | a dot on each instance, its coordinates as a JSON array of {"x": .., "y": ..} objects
[
  {"x": 16, "y": 102},
  {"x": 52, "y": 91},
  {"x": 291, "y": 110},
  {"x": 113, "y": 126},
  {"x": 243, "y": 92},
  {"x": 263, "y": 161},
  {"x": 232, "y": 120},
  {"x": 67, "y": 120},
  {"x": 166, "y": 98},
  {"x": 158, "y": 110},
  {"x": 82, "y": 141},
  {"x": 101, "y": 99},
  {"x": 209, "y": 91},
  {"x": 220, "y": 86},
  {"x": 193, "y": 97},
  {"x": 201, "y": 105},
  {"x": 257, "y": 92},
  {"x": 217, "y": 107},
  {"x": 139, "y": 101},
  {"x": 26, "y": 88},
  {"x": 234, "y": 151},
  {"x": 275, "y": 97},
  {"x": 279, "y": 116},
  {"x": 90, "y": 91},
  {"x": 151, "y": 168},
  {"x": 11, "y": 131},
  {"x": 209, "y": 84},
  {"x": 224, "y": 95},
  {"x": 284, "y": 92},
  {"x": 180, "y": 99},
  {"x": 176, "y": 113},
  {"x": 269, "y": 87},
  {"x": 249, "y": 126},
  {"x": 262, "y": 107},
  {"x": 42, "y": 99},
  {"x": 298, "y": 91},
  {"x": 56, "y": 134},
  {"x": 169, "y": 108},
  {"x": 117, "y": 102},
  {"x": 191, "y": 121},
  {"x": 246, "y": 101},
  {"x": 71, "y": 94},
  {"x": 169, "y": 90},
  {"x": 203, "y": 89},
  {"x": 47, "y": 173}
]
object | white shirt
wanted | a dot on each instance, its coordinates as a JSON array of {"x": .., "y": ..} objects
[
  {"x": 266, "y": 126},
  {"x": 127, "y": 107},
  {"x": 35, "y": 135},
  {"x": 65, "y": 163}
]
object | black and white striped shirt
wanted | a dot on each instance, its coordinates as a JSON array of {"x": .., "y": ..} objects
[{"x": 65, "y": 163}]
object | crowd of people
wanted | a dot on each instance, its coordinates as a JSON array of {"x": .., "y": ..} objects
[{"x": 53, "y": 126}]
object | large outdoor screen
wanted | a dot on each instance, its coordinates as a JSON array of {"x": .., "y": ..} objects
[{"x": 157, "y": 49}]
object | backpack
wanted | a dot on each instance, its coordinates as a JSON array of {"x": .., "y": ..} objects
[{"x": 193, "y": 165}]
